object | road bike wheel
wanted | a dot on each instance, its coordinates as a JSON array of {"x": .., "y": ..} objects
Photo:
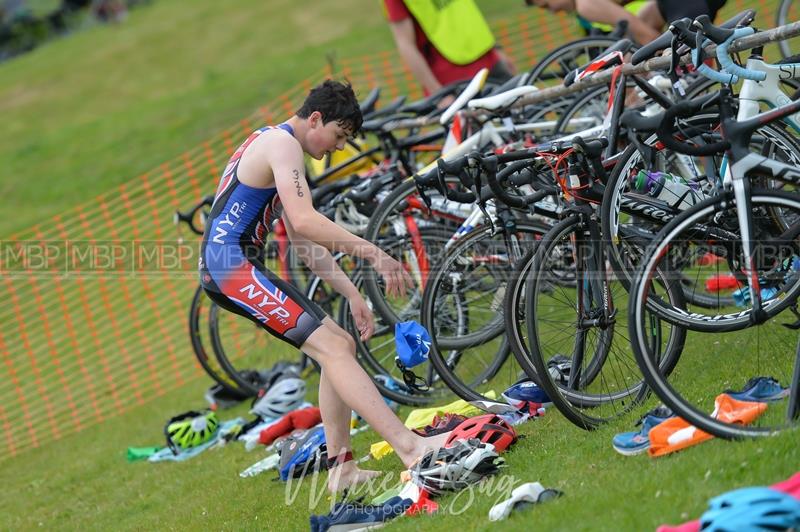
[
  {"x": 711, "y": 228},
  {"x": 462, "y": 308},
  {"x": 630, "y": 219},
  {"x": 591, "y": 107},
  {"x": 198, "y": 314},
  {"x": 377, "y": 357},
  {"x": 712, "y": 363},
  {"x": 390, "y": 228},
  {"x": 554, "y": 66},
  {"x": 514, "y": 312},
  {"x": 575, "y": 316}
]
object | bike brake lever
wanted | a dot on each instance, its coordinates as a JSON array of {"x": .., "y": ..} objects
[{"x": 424, "y": 196}]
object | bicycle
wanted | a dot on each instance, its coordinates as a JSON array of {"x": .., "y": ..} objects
[
  {"x": 627, "y": 216},
  {"x": 464, "y": 293},
  {"x": 754, "y": 233}
]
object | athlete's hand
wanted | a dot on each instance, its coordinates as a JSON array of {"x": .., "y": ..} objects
[
  {"x": 394, "y": 275},
  {"x": 362, "y": 317}
]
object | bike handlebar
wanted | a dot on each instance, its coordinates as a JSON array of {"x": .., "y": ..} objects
[
  {"x": 684, "y": 110},
  {"x": 650, "y": 49},
  {"x": 663, "y": 41},
  {"x": 723, "y": 37}
]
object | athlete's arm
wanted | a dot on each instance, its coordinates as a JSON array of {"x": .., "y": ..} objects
[
  {"x": 320, "y": 261},
  {"x": 286, "y": 160},
  {"x": 405, "y": 39},
  {"x": 611, "y": 12}
]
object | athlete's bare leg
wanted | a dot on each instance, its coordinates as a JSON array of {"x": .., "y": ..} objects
[{"x": 345, "y": 386}]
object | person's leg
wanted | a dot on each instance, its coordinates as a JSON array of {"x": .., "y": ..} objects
[
  {"x": 283, "y": 311},
  {"x": 351, "y": 386},
  {"x": 336, "y": 417}
]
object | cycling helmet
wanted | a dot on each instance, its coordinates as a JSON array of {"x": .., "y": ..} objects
[
  {"x": 488, "y": 428},
  {"x": 303, "y": 453},
  {"x": 456, "y": 467},
  {"x": 190, "y": 429},
  {"x": 526, "y": 391},
  {"x": 559, "y": 366},
  {"x": 753, "y": 508},
  {"x": 285, "y": 394}
]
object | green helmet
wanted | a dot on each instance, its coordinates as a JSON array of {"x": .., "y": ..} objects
[{"x": 190, "y": 429}]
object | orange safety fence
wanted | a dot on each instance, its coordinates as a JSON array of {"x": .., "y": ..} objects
[{"x": 94, "y": 321}]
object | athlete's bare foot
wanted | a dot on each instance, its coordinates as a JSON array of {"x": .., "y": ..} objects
[
  {"x": 348, "y": 475},
  {"x": 422, "y": 446}
]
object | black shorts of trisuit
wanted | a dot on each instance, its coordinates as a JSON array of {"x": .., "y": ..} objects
[
  {"x": 256, "y": 293},
  {"x": 672, "y": 10}
]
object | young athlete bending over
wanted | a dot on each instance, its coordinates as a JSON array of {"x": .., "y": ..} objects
[{"x": 265, "y": 171}]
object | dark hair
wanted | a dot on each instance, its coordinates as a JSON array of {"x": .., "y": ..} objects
[{"x": 335, "y": 101}]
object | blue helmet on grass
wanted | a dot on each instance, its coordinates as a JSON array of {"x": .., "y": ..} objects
[
  {"x": 753, "y": 508},
  {"x": 303, "y": 454},
  {"x": 413, "y": 344},
  {"x": 520, "y": 394}
]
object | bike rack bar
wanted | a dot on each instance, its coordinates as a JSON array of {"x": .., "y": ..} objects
[{"x": 657, "y": 63}]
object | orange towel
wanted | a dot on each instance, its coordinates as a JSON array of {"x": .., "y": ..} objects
[{"x": 675, "y": 434}]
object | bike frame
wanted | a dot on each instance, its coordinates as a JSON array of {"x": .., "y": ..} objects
[{"x": 744, "y": 162}]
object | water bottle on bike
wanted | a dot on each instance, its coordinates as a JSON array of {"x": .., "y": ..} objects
[{"x": 671, "y": 189}]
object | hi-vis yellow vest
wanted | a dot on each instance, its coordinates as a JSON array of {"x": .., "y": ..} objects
[{"x": 455, "y": 27}]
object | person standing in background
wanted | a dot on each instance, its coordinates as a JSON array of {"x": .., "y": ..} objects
[
  {"x": 646, "y": 22},
  {"x": 444, "y": 41}
]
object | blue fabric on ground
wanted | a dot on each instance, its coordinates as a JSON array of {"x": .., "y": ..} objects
[{"x": 357, "y": 513}]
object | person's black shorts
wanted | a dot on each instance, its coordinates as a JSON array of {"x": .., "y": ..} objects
[
  {"x": 253, "y": 291},
  {"x": 672, "y": 10}
]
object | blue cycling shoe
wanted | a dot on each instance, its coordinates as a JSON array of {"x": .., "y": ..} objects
[
  {"x": 760, "y": 390},
  {"x": 632, "y": 443}
]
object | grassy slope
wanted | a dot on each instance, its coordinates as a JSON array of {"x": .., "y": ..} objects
[
  {"x": 100, "y": 107},
  {"x": 91, "y": 111},
  {"x": 83, "y": 482},
  {"x": 103, "y": 106}
]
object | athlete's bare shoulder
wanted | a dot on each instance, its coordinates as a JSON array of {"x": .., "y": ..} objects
[{"x": 273, "y": 147}]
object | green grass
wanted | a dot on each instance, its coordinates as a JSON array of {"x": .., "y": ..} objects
[
  {"x": 88, "y": 112},
  {"x": 83, "y": 481},
  {"x": 84, "y": 113}
]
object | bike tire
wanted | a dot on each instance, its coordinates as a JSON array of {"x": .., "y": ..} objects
[
  {"x": 710, "y": 363},
  {"x": 603, "y": 380},
  {"x": 488, "y": 346}
]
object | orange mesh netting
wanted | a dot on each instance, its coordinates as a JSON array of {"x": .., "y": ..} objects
[{"x": 96, "y": 298}]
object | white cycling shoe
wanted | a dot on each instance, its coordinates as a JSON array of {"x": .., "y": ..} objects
[{"x": 521, "y": 496}]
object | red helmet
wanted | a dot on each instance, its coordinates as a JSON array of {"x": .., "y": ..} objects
[{"x": 488, "y": 428}]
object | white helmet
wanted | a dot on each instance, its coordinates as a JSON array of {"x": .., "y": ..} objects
[
  {"x": 287, "y": 393},
  {"x": 456, "y": 467}
]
